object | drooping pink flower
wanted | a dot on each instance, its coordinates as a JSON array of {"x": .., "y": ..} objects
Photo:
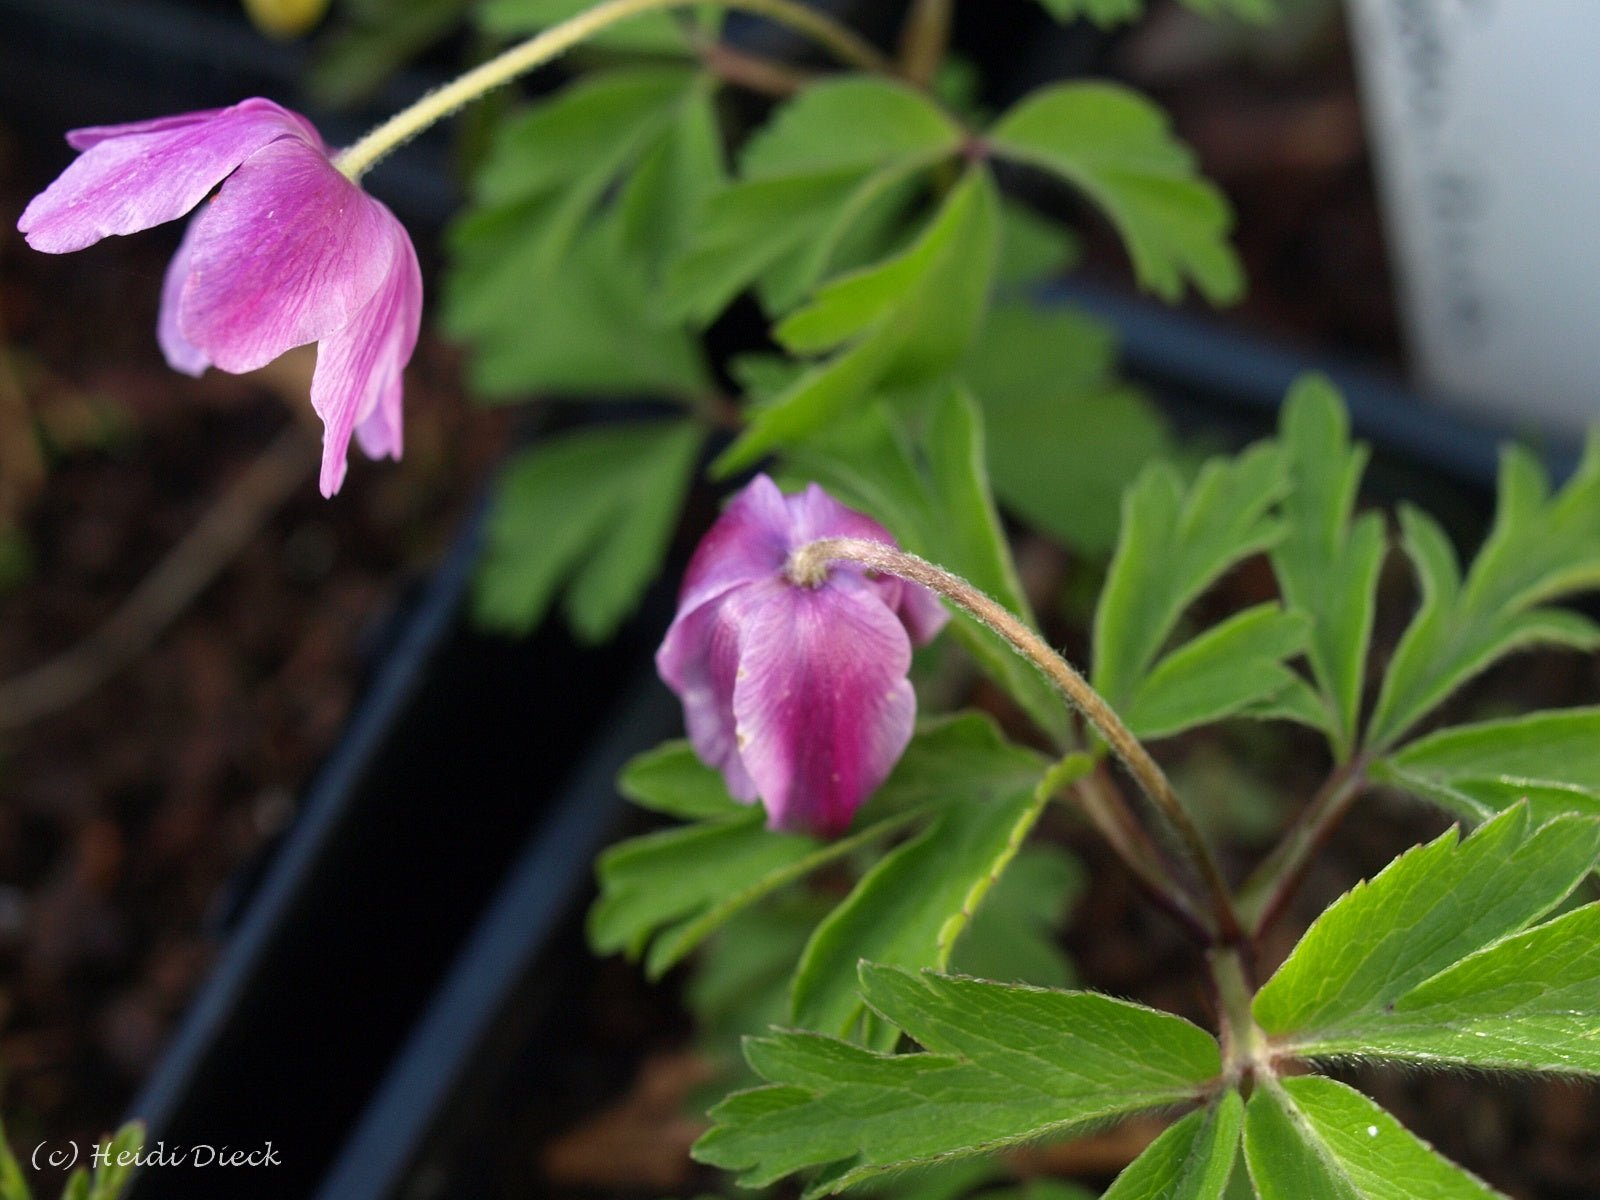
[
  {"x": 288, "y": 251},
  {"x": 797, "y": 694}
]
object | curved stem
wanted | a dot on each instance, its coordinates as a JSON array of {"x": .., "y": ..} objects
[
  {"x": 808, "y": 567},
  {"x": 848, "y": 46},
  {"x": 924, "y": 40}
]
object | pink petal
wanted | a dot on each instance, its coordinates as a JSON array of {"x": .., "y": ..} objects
[
  {"x": 288, "y": 252},
  {"x": 698, "y": 659},
  {"x": 359, "y": 367},
  {"x": 750, "y": 541},
  {"x": 821, "y": 705},
  {"x": 182, "y": 354},
  {"x": 132, "y": 177}
]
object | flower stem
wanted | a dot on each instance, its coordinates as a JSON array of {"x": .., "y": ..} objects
[
  {"x": 809, "y": 566},
  {"x": 924, "y": 39},
  {"x": 844, "y": 43}
]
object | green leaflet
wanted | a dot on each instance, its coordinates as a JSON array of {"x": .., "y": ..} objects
[
  {"x": 1175, "y": 543},
  {"x": 1190, "y": 1161},
  {"x": 1541, "y": 547},
  {"x": 923, "y": 475},
  {"x": 1549, "y": 759},
  {"x": 811, "y": 178},
  {"x": 912, "y": 906},
  {"x": 1065, "y": 434},
  {"x": 1316, "y": 1139},
  {"x": 901, "y": 322},
  {"x": 671, "y": 779},
  {"x": 1004, "y": 1064},
  {"x": 371, "y": 43},
  {"x": 1115, "y": 146},
  {"x": 1424, "y": 913},
  {"x": 591, "y": 512},
  {"x": 1014, "y": 935},
  {"x": 1227, "y": 669},
  {"x": 651, "y": 33},
  {"x": 540, "y": 228},
  {"x": 1327, "y": 564},
  {"x": 1114, "y": 12}
]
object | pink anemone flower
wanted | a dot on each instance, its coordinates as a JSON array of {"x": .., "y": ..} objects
[
  {"x": 288, "y": 251},
  {"x": 797, "y": 694}
]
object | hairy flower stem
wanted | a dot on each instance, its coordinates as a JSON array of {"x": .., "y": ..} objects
[
  {"x": 1269, "y": 889},
  {"x": 842, "y": 42},
  {"x": 1107, "y": 810},
  {"x": 808, "y": 566}
]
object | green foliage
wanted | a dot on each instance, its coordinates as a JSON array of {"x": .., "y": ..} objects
[
  {"x": 1190, "y": 1161},
  {"x": 901, "y": 322},
  {"x": 1064, "y": 433},
  {"x": 103, "y": 1182},
  {"x": 1316, "y": 1139},
  {"x": 829, "y": 160},
  {"x": 910, "y": 908},
  {"x": 375, "y": 39},
  {"x": 1115, "y": 146},
  {"x": 923, "y": 474},
  {"x": 1327, "y": 564},
  {"x": 1540, "y": 548},
  {"x": 591, "y": 512},
  {"x": 1551, "y": 760},
  {"x": 666, "y": 892},
  {"x": 1003, "y": 1064},
  {"x": 1115, "y": 12},
  {"x": 1013, "y": 935},
  {"x": 1175, "y": 543},
  {"x": 657, "y": 33},
  {"x": 1373, "y": 953},
  {"x": 552, "y": 286}
]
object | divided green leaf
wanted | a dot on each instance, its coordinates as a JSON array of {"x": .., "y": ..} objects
[
  {"x": 1377, "y": 948},
  {"x": 902, "y": 322},
  {"x": 1190, "y": 1161},
  {"x": 912, "y": 906},
  {"x": 590, "y": 512},
  {"x": 815, "y": 174},
  {"x": 1327, "y": 564},
  {"x": 1014, "y": 935},
  {"x": 1541, "y": 548},
  {"x": 1175, "y": 543},
  {"x": 1004, "y": 1064},
  {"x": 1064, "y": 433},
  {"x": 1116, "y": 147},
  {"x": 1310, "y": 1138},
  {"x": 1551, "y": 760}
]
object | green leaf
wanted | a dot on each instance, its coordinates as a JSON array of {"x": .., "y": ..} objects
[
  {"x": 1014, "y": 935},
  {"x": 109, "y": 1180},
  {"x": 540, "y": 229},
  {"x": 671, "y": 779},
  {"x": 1427, "y": 910},
  {"x": 650, "y": 33},
  {"x": 1005, "y": 1064},
  {"x": 959, "y": 755},
  {"x": 369, "y": 47},
  {"x": 809, "y": 179},
  {"x": 1549, "y": 759},
  {"x": 1064, "y": 434},
  {"x": 1222, "y": 672},
  {"x": 12, "y": 1184},
  {"x": 1190, "y": 1161},
  {"x": 1528, "y": 1003},
  {"x": 592, "y": 511},
  {"x": 911, "y": 907},
  {"x": 1316, "y": 1139},
  {"x": 740, "y": 983},
  {"x": 1116, "y": 146},
  {"x": 1175, "y": 543},
  {"x": 901, "y": 322},
  {"x": 1327, "y": 564},
  {"x": 1114, "y": 12},
  {"x": 1540, "y": 548}
]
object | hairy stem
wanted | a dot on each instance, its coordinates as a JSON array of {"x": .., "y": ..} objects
[
  {"x": 1269, "y": 889},
  {"x": 808, "y": 566},
  {"x": 843, "y": 42},
  {"x": 924, "y": 39}
]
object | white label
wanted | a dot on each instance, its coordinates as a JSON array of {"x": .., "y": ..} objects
[{"x": 1486, "y": 119}]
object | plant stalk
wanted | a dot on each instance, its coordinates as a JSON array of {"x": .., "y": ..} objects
[
  {"x": 1269, "y": 889},
  {"x": 843, "y": 42},
  {"x": 924, "y": 39},
  {"x": 808, "y": 567}
]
